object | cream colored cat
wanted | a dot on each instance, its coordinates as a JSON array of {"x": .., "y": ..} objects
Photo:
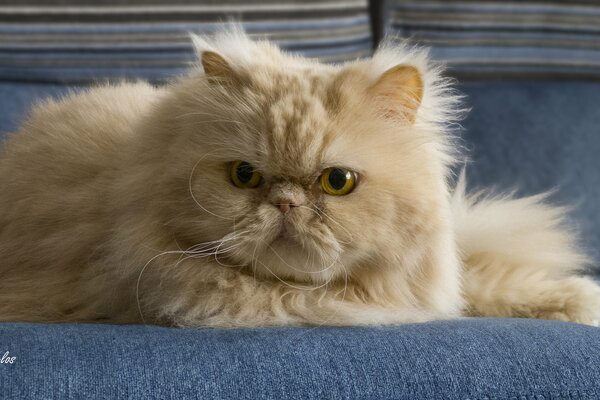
[{"x": 268, "y": 189}]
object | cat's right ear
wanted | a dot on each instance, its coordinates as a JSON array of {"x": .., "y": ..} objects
[{"x": 216, "y": 68}]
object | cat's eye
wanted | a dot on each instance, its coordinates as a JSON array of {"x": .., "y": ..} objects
[
  {"x": 338, "y": 181},
  {"x": 243, "y": 175}
]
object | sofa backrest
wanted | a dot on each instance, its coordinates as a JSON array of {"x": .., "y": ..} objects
[
  {"x": 512, "y": 38},
  {"x": 78, "y": 41}
]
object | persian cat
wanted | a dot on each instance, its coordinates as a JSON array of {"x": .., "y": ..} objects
[{"x": 264, "y": 189}]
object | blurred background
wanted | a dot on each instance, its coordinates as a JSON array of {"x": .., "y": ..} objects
[{"x": 530, "y": 70}]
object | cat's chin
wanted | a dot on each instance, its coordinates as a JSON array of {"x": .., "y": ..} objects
[
  {"x": 285, "y": 236},
  {"x": 286, "y": 259},
  {"x": 285, "y": 240}
]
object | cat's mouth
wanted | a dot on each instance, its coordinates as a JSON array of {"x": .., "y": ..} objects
[
  {"x": 286, "y": 234},
  {"x": 296, "y": 246}
]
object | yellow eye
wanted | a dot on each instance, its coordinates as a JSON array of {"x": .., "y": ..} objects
[
  {"x": 338, "y": 181},
  {"x": 243, "y": 175}
]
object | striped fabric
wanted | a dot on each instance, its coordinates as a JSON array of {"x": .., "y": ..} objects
[
  {"x": 505, "y": 38},
  {"x": 72, "y": 41}
]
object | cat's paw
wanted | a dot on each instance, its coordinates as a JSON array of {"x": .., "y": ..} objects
[{"x": 573, "y": 299}]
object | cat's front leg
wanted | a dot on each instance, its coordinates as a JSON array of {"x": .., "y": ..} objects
[
  {"x": 575, "y": 299},
  {"x": 205, "y": 293}
]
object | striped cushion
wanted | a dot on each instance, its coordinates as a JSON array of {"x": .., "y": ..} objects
[
  {"x": 74, "y": 42},
  {"x": 514, "y": 38}
]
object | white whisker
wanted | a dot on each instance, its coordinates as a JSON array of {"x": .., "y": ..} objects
[
  {"x": 306, "y": 288},
  {"x": 137, "y": 286},
  {"x": 212, "y": 251},
  {"x": 323, "y": 213},
  {"x": 297, "y": 269},
  {"x": 192, "y": 191}
]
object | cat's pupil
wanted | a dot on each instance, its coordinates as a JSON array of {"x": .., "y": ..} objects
[
  {"x": 338, "y": 178},
  {"x": 244, "y": 172}
]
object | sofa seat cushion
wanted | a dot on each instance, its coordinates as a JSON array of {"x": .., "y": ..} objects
[{"x": 461, "y": 359}]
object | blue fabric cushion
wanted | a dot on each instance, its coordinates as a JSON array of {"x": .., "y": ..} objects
[{"x": 467, "y": 359}]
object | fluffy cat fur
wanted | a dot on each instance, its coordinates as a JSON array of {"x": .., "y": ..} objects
[{"x": 116, "y": 204}]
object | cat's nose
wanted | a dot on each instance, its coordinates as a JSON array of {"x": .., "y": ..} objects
[
  {"x": 284, "y": 205},
  {"x": 286, "y": 195}
]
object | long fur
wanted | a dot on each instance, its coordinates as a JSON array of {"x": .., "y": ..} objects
[
  {"x": 117, "y": 207},
  {"x": 521, "y": 258}
]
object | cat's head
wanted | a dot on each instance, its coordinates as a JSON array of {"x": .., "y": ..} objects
[{"x": 310, "y": 172}]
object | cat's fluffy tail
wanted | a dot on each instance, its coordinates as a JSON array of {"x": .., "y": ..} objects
[{"x": 520, "y": 259}]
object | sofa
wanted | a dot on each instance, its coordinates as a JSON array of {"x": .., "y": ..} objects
[{"x": 530, "y": 74}]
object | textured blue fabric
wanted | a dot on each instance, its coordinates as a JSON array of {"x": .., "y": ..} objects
[
  {"x": 535, "y": 136},
  {"x": 468, "y": 359}
]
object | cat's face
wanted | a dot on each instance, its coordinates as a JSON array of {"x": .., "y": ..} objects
[{"x": 307, "y": 172}]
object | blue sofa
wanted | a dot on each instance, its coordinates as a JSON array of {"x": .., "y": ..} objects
[
  {"x": 534, "y": 91},
  {"x": 469, "y": 359}
]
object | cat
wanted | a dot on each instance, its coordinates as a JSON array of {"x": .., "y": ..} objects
[{"x": 266, "y": 189}]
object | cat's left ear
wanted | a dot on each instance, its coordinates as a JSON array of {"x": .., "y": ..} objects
[{"x": 399, "y": 90}]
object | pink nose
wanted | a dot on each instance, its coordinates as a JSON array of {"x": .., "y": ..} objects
[{"x": 284, "y": 205}]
